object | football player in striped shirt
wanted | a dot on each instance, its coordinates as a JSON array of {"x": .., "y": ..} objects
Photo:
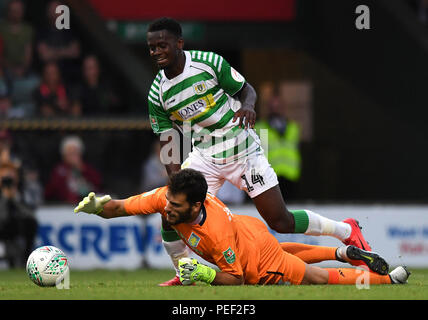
[{"x": 212, "y": 104}]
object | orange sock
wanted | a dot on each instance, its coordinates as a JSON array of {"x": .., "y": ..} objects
[
  {"x": 352, "y": 276},
  {"x": 309, "y": 253}
]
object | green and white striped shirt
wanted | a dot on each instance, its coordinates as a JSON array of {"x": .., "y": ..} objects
[{"x": 201, "y": 99}]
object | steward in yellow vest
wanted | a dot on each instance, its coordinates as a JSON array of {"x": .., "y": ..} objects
[{"x": 282, "y": 149}]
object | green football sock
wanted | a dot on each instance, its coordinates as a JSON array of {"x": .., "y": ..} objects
[
  {"x": 169, "y": 235},
  {"x": 313, "y": 224},
  {"x": 301, "y": 221}
]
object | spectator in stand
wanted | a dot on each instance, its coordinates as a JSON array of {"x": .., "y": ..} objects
[
  {"x": 18, "y": 58},
  {"x": 60, "y": 46},
  {"x": 52, "y": 98},
  {"x": 95, "y": 94},
  {"x": 18, "y": 40},
  {"x": 154, "y": 174},
  {"x": 6, "y": 153},
  {"x": 18, "y": 225},
  {"x": 72, "y": 178},
  {"x": 283, "y": 146},
  {"x": 30, "y": 188}
]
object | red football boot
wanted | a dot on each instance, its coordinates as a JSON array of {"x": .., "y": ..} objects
[
  {"x": 173, "y": 282},
  {"x": 356, "y": 239}
]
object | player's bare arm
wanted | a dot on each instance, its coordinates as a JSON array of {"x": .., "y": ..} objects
[
  {"x": 114, "y": 209},
  {"x": 170, "y": 167},
  {"x": 246, "y": 114},
  {"x": 227, "y": 279}
]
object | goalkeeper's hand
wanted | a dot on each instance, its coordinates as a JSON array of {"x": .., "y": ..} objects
[
  {"x": 92, "y": 204},
  {"x": 191, "y": 271}
]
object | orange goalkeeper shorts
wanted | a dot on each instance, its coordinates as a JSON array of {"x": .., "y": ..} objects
[{"x": 278, "y": 266}]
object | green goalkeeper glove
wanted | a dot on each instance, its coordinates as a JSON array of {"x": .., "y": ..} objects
[
  {"x": 191, "y": 270},
  {"x": 92, "y": 204}
]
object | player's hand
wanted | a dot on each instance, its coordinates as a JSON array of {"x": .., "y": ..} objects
[
  {"x": 92, "y": 204},
  {"x": 247, "y": 117},
  {"x": 191, "y": 271}
]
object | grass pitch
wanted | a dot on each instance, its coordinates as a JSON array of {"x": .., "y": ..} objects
[{"x": 142, "y": 285}]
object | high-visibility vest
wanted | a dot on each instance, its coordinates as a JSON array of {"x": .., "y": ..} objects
[{"x": 282, "y": 151}]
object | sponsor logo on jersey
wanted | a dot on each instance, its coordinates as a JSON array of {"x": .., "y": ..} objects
[
  {"x": 229, "y": 255},
  {"x": 196, "y": 108},
  {"x": 200, "y": 87}
]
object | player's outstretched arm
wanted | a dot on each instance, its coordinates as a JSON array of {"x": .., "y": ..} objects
[{"x": 103, "y": 206}]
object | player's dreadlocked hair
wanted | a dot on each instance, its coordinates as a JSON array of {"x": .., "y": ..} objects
[
  {"x": 168, "y": 24},
  {"x": 190, "y": 182}
]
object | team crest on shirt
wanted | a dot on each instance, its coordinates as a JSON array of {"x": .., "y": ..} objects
[
  {"x": 229, "y": 255},
  {"x": 200, "y": 87},
  {"x": 193, "y": 240}
]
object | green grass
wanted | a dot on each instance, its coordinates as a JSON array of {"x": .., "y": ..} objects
[{"x": 142, "y": 285}]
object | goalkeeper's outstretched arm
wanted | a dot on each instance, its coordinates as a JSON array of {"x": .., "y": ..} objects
[
  {"x": 104, "y": 206},
  {"x": 113, "y": 209}
]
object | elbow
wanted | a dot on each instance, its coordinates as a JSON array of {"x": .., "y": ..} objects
[
  {"x": 254, "y": 92},
  {"x": 251, "y": 89},
  {"x": 239, "y": 280}
]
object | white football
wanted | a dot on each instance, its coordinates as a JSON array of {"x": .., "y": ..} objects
[{"x": 47, "y": 266}]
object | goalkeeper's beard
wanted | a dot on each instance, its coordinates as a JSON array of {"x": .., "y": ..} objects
[{"x": 183, "y": 217}]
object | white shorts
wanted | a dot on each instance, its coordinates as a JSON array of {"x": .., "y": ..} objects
[{"x": 253, "y": 173}]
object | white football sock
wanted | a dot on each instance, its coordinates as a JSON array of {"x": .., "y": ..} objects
[
  {"x": 322, "y": 226},
  {"x": 341, "y": 253},
  {"x": 176, "y": 250}
]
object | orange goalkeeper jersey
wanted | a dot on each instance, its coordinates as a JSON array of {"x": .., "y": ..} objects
[{"x": 237, "y": 244}]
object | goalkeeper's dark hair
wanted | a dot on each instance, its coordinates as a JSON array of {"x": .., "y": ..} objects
[
  {"x": 190, "y": 182},
  {"x": 168, "y": 24}
]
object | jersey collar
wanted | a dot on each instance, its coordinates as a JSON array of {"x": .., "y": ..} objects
[
  {"x": 201, "y": 217},
  {"x": 186, "y": 66}
]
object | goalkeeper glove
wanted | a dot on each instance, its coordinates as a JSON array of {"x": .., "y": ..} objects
[
  {"x": 191, "y": 270},
  {"x": 92, "y": 204}
]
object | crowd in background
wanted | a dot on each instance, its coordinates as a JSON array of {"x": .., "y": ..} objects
[{"x": 44, "y": 71}]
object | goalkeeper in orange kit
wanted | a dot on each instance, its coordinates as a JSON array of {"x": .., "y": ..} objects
[{"x": 241, "y": 246}]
